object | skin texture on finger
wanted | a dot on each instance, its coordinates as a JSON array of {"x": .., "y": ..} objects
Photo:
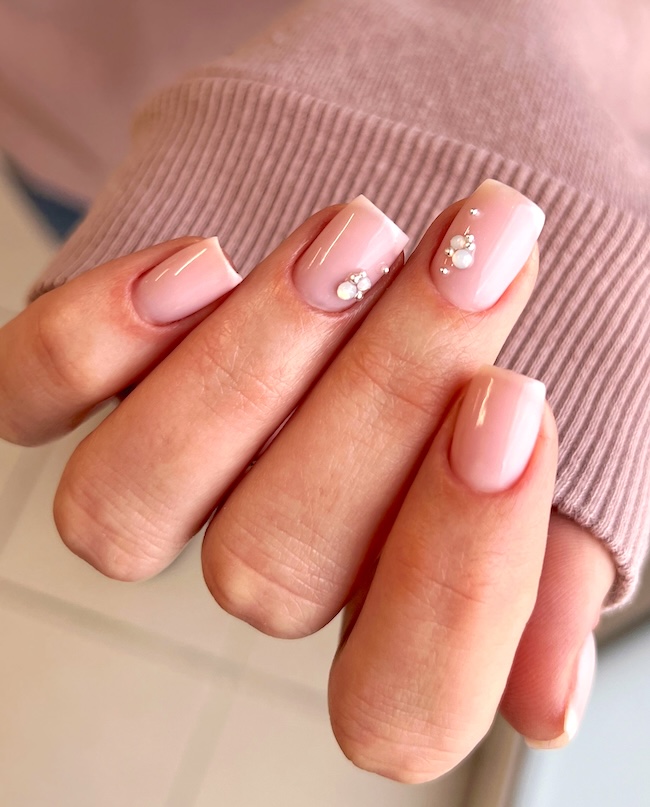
[
  {"x": 138, "y": 488},
  {"x": 577, "y": 576},
  {"x": 418, "y": 681},
  {"x": 285, "y": 550},
  {"x": 80, "y": 344}
]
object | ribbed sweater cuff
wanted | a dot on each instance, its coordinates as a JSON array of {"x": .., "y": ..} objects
[{"x": 249, "y": 162}]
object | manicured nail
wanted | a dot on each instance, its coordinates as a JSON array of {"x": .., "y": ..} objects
[
  {"x": 486, "y": 246},
  {"x": 496, "y": 429},
  {"x": 185, "y": 283},
  {"x": 347, "y": 259},
  {"x": 584, "y": 678}
]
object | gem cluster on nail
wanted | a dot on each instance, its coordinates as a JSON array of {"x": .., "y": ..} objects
[
  {"x": 356, "y": 285},
  {"x": 461, "y": 249}
]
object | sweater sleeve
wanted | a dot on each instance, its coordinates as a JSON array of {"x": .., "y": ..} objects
[{"x": 414, "y": 103}]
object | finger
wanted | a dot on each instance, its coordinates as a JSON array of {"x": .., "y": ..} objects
[
  {"x": 551, "y": 677},
  {"x": 417, "y": 683},
  {"x": 137, "y": 489},
  {"x": 288, "y": 546},
  {"x": 85, "y": 341}
]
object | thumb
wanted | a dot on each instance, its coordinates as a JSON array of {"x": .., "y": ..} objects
[
  {"x": 550, "y": 680},
  {"x": 85, "y": 341}
]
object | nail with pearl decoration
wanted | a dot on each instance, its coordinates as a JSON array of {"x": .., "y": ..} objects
[
  {"x": 486, "y": 246},
  {"x": 348, "y": 258},
  {"x": 461, "y": 249},
  {"x": 356, "y": 285}
]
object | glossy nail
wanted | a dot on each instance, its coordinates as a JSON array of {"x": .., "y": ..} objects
[
  {"x": 486, "y": 246},
  {"x": 497, "y": 428},
  {"x": 185, "y": 283},
  {"x": 349, "y": 257},
  {"x": 583, "y": 682}
]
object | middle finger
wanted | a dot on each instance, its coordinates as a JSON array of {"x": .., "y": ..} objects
[{"x": 285, "y": 550}]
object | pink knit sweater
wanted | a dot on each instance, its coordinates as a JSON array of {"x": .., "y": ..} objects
[{"x": 413, "y": 103}]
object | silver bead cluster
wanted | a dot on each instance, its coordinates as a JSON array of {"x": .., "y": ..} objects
[
  {"x": 356, "y": 285},
  {"x": 461, "y": 249}
]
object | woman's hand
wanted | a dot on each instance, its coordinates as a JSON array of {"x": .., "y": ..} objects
[{"x": 385, "y": 452}]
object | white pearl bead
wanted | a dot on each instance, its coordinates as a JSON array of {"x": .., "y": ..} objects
[
  {"x": 364, "y": 284},
  {"x": 347, "y": 290},
  {"x": 458, "y": 242},
  {"x": 462, "y": 259}
]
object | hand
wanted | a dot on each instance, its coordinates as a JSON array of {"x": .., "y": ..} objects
[{"x": 377, "y": 385}]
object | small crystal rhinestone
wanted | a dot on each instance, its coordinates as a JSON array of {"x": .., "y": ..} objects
[
  {"x": 469, "y": 237},
  {"x": 385, "y": 270},
  {"x": 449, "y": 251},
  {"x": 444, "y": 270},
  {"x": 473, "y": 211}
]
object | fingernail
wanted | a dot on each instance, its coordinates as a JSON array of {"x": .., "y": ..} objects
[
  {"x": 496, "y": 429},
  {"x": 486, "y": 246},
  {"x": 583, "y": 681},
  {"x": 352, "y": 253},
  {"x": 185, "y": 283}
]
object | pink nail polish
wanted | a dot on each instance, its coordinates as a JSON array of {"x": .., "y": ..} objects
[
  {"x": 349, "y": 257},
  {"x": 185, "y": 283},
  {"x": 584, "y": 678},
  {"x": 496, "y": 429},
  {"x": 486, "y": 246}
]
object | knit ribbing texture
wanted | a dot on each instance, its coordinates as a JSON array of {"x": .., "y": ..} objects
[{"x": 249, "y": 162}]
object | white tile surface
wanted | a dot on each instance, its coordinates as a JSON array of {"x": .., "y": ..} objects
[
  {"x": 84, "y": 722},
  {"x": 304, "y": 661},
  {"x": 175, "y": 605},
  {"x": 275, "y": 751}
]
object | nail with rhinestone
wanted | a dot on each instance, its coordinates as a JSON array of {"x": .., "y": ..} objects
[
  {"x": 486, "y": 246},
  {"x": 354, "y": 251},
  {"x": 354, "y": 286}
]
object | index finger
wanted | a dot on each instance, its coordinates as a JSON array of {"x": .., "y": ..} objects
[{"x": 85, "y": 341}]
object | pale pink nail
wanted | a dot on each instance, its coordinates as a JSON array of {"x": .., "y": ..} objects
[
  {"x": 185, "y": 283},
  {"x": 349, "y": 257},
  {"x": 496, "y": 429},
  {"x": 486, "y": 246},
  {"x": 578, "y": 699}
]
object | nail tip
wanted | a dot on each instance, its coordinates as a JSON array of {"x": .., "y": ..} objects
[
  {"x": 401, "y": 238},
  {"x": 539, "y": 216},
  {"x": 548, "y": 745},
  {"x": 506, "y": 373}
]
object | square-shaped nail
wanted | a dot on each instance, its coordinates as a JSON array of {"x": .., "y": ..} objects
[
  {"x": 347, "y": 259},
  {"x": 185, "y": 283},
  {"x": 496, "y": 429},
  {"x": 486, "y": 246}
]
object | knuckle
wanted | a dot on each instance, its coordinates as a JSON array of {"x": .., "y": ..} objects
[
  {"x": 91, "y": 519},
  {"x": 394, "y": 374},
  {"x": 254, "y": 575},
  {"x": 225, "y": 372},
  {"x": 70, "y": 366},
  {"x": 379, "y": 745}
]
